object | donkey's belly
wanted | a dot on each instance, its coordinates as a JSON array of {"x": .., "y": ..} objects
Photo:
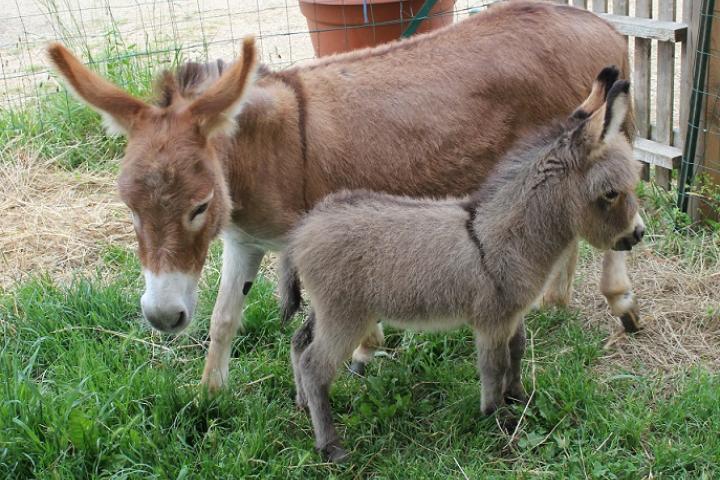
[{"x": 431, "y": 323}]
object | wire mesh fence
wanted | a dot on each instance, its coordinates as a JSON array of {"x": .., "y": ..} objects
[
  {"x": 153, "y": 35},
  {"x": 699, "y": 189}
]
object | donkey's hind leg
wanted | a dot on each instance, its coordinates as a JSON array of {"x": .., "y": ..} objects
[
  {"x": 493, "y": 364},
  {"x": 616, "y": 287},
  {"x": 333, "y": 341},
  {"x": 302, "y": 338},
  {"x": 559, "y": 287},
  {"x": 364, "y": 353},
  {"x": 514, "y": 390}
]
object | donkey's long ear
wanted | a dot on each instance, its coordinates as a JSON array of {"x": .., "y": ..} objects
[
  {"x": 217, "y": 107},
  {"x": 118, "y": 108},
  {"x": 606, "y": 123}
]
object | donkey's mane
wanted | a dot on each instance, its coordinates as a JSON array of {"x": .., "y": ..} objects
[{"x": 193, "y": 78}]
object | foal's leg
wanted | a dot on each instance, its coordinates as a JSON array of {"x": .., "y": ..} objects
[
  {"x": 616, "y": 287},
  {"x": 240, "y": 266},
  {"x": 332, "y": 343},
  {"x": 514, "y": 390},
  {"x": 493, "y": 364},
  {"x": 366, "y": 351},
  {"x": 560, "y": 284},
  {"x": 302, "y": 338}
]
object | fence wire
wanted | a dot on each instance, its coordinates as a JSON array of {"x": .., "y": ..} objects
[
  {"x": 699, "y": 184},
  {"x": 152, "y": 34}
]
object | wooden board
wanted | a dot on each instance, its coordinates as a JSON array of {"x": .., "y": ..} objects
[
  {"x": 664, "y": 92},
  {"x": 647, "y": 28},
  {"x": 641, "y": 78},
  {"x": 655, "y": 153}
]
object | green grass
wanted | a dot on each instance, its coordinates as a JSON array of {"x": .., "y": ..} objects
[
  {"x": 54, "y": 125},
  {"x": 88, "y": 392}
]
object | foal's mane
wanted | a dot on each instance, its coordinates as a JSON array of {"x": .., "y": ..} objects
[{"x": 524, "y": 155}]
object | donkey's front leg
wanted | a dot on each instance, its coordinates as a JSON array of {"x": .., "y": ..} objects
[
  {"x": 493, "y": 364},
  {"x": 616, "y": 287},
  {"x": 240, "y": 266}
]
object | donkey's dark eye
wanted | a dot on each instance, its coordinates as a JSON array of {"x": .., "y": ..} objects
[
  {"x": 198, "y": 210},
  {"x": 611, "y": 195}
]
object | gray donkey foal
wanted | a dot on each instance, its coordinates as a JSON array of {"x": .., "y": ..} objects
[{"x": 481, "y": 261}]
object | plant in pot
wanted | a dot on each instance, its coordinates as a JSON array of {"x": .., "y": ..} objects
[{"x": 344, "y": 25}]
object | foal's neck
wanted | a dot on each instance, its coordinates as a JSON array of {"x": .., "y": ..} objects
[{"x": 524, "y": 229}]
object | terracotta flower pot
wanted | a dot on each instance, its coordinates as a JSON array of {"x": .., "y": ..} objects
[{"x": 341, "y": 26}]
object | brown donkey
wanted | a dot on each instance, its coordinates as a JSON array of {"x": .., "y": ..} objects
[
  {"x": 245, "y": 152},
  {"x": 440, "y": 264}
]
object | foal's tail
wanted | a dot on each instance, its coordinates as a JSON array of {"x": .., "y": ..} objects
[{"x": 289, "y": 288}]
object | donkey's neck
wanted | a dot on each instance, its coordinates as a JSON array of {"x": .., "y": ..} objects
[
  {"x": 524, "y": 229},
  {"x": 263, "y": 161}
]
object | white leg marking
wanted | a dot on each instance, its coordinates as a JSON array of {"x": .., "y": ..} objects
[{"x": 241, "y": 262}]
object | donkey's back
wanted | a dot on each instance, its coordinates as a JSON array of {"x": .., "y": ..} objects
[{"x": 446, "y": 106}]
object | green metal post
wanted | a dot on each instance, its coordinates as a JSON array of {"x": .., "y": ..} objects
[{"x": 417, "y": 19}]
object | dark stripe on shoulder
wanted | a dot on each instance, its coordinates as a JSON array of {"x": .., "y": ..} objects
[{"x": 292, "y": 80}]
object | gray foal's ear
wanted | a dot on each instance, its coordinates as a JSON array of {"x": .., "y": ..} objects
[
  {"x": 606, "y": 123},
  {"x": 598, "y": 93},
  {"x": 617, "y": 107}
]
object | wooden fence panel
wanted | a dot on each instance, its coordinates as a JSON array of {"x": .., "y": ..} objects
[
  {"x": 641, "y": 78},
  {"x": 664, "y": 93}
]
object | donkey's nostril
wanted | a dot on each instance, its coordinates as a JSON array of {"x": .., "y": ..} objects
[
  {"x": 180, "y": 320},
  {"x": 639, "y": 233}
]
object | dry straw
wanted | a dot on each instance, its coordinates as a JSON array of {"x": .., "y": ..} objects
[{"x": 55, "y": 221}]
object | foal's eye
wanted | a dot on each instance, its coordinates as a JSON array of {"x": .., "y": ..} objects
[
  {"x": 611, "y": 195},
  {"x": 199, "y": 210}
]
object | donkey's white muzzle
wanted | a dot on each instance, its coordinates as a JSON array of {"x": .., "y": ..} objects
[{"x": 169, "y": 300}]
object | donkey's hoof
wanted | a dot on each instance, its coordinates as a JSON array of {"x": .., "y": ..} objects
[
  {"x": 334, "y": 453},
  {"x": 213, "y": 383},
  {"x": 357, "y": 368},
  {"x": 631, "y": 320}
]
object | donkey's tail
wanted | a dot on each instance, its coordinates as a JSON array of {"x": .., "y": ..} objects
[{"x": 289, "y": 288}]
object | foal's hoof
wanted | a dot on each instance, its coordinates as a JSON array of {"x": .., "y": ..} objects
[
  {"x": 358, "y": 368},
  {"x": 334, "y": 453},
  {"x": 507, "y": 421},
  {"x": 505, "y": 418},
  {"x": 490, "y": 409},
  {"x": 516, "y": 397}
]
